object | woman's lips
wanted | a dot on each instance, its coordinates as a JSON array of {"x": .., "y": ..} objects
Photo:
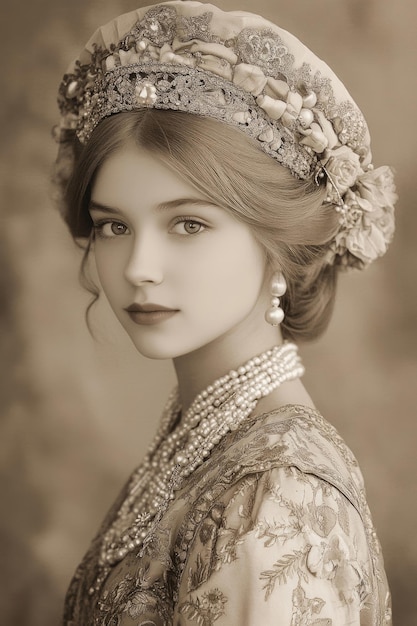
[{"x": 149, "y": 314}]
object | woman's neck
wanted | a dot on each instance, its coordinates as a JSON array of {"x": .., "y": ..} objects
[{"x": 198, "y": 369}]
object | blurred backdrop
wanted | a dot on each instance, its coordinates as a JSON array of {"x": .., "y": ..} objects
[{"x": 77, "y": 412}]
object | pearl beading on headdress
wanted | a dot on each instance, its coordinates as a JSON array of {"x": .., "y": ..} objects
[
  {"x": 193, "y": 90},
  {"x": 179, "y": 449}
]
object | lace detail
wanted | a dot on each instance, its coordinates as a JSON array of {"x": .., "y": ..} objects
[
  {"x": 265, "y": 49},
  {"x": 158, "y": 26},
  {"x": 280, "y": 509},
  {"x": 195, "y": 91},
  {"x": 198, "y": 27}
]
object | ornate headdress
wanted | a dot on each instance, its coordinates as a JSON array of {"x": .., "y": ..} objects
[{"x": 238, "y": 68}]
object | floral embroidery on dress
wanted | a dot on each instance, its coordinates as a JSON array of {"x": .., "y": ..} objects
[
  {"x": 207, "y": 610},
  {"x": 304, "y": 610},
  {"x": 303, "y": 542},
  {"x": 288, "y": 566},
  {"x": 136, "y": 596},
  {"x": 274, "y": 523}
]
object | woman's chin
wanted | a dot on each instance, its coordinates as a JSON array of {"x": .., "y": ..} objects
[{"x": 157, "y": 348}]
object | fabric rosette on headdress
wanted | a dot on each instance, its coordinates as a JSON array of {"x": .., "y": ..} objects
[
  {"x": 367, "y": 219},
  {"x": 245, "y": 71}
]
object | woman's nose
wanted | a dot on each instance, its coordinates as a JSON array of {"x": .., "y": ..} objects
[{"x": 144, "y": 263}]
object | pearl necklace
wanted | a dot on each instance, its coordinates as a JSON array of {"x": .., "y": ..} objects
[{"x": 178, "y": 449}]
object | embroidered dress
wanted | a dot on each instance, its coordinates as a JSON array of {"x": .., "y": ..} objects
[{"x": 273, "y": 528}]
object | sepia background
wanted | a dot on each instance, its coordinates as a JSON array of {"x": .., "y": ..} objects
[{"x": 77, "y": 412}]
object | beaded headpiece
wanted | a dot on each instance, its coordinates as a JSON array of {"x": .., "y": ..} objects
[{"x": 240, "y": 69}]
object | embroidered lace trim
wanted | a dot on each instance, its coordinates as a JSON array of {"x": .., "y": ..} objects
[{"x": 192, "y": 90}]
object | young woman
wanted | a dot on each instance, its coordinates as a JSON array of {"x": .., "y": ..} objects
[{"x": 221, "y": 175}]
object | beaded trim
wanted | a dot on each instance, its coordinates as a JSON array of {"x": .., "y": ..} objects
[{"x": 179, "y": 88}]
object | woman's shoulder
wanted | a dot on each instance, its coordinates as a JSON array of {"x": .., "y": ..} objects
[
  {"x": 293, "y": 451},
  {"x": 297, "y": 436},
  {"x": 284, "y": 501}
]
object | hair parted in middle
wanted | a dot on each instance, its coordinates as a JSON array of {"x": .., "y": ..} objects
[{"x": 288, "y": 217}]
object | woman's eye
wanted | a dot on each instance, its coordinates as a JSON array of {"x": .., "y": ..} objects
[
  {"x": 110, "y": 229},
  {"x": 189, "y": 227}
]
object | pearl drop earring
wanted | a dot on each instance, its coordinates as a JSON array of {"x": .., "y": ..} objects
[{"x": 274, "y": 315}]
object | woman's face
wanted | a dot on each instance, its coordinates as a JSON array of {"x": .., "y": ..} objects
[{"x": 161, "y": 244}]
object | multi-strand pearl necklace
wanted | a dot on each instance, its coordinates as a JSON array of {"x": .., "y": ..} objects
[{"x": 179, "y": 448}]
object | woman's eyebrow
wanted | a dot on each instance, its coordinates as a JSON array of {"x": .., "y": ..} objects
[
  {"x": 180, "y": 202},
  {"x": 163, "y": 206},
  {"x": 97, "y": 206}
]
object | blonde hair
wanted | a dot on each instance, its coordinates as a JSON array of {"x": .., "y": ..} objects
[{"x": 287, "y": 216}]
